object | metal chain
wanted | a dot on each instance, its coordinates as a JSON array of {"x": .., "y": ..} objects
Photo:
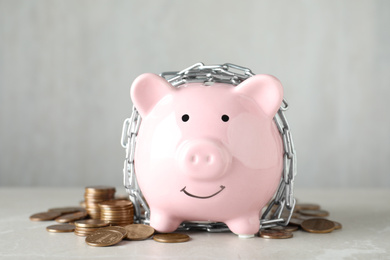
[{"x": 279, "y": 210}]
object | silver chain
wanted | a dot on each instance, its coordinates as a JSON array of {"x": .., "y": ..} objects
[{"x": 279, "y": 210}]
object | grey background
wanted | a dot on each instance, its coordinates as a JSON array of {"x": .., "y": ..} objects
[{"x": 66, "y": 68}]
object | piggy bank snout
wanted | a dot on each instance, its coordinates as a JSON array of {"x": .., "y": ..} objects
[{"x": 203, "y": 159}]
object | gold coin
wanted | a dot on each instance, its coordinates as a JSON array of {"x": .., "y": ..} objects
[
  {"x": 318, "y": 225},
  {"x": 138, "y": 231},
  {"x": 86, "y": 230},
  {"x": 43, "y": 216},
  {"x": 116, "y": 228},
  {"x": 80, "y": 234},
  {"x": 314, "y": 213},
  {"x": 61, "y": 228},
  {"x": 337, "y": 225},
  {"x": 116, "y": 204},
  {"x": 121, "y": 224},
  {"x": 125, "y": 218},
  {"x": 99, "y": 188},
  {"x": 91, "y": 223},
  {"x": 171, "y": 238},
  {"x": 112, "y": 211},
  {"x": 295, "y": 221},
  {"x": 275, "y": 234},
  {"x": 71, "y": 217},
  {"x": 94, "y": 195},
  {"x": 289, "y": 228},
  {"x": 67, "y": 210},
  {"x": 109, "y": 214},
  {"x": 104, "y": 238},
  {"x": 304, "y": 206}
]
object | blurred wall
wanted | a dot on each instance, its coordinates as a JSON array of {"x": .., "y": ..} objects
[{"x": 66, "y": 68}]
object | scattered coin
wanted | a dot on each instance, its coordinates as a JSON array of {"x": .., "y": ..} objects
[
  {"x": 275, "y": 234},
  {"x": 139, "y": 231},
  {"x": 104, "y": 238},
  {"x": 61, "y": 228},
  {"x": 296, "y": 221},
  {"x": 105, "y": 210},
  {"x": 43, "y": 216},
  {"x": 305, "y": 206},
  {"x": 67, "y": 210},
  {"x": 289, "y": 228},
  {"x": 71, "y": 217},
  {"x": 337, "y": 225},
  {"x": 314, "y": 213},
  {"x": 318, "y": 225},
  {"x": 122, "y": 230},
  {"x": 171, "y": 238}
]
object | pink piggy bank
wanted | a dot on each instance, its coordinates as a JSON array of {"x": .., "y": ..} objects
[{"x": 208, "y": 153}]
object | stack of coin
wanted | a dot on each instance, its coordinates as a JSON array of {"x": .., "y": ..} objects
[
  {"x": 94, "y": 195},
  {"x": 88, "y": 226},
  {"x": 117, "y": 212}
]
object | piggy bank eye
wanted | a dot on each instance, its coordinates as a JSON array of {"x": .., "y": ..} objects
[
  {"x": 185, "y": 118},
  {"x": 225, "y": 118}
]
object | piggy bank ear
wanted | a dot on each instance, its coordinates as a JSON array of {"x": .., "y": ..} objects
[
  {"x": 266, "y": 90},
  {"x": 147, "y": 90}
]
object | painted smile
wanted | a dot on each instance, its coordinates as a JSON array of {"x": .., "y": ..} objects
[{"x": 200, "y": 197}]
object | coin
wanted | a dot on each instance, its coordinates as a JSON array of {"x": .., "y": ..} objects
[
  {"x": 90, "y": 223},
  {"x": 314, "y": 213},
  {"x": 71, "y": 217},
  {"x": 122, "y": 230},
  {"x": 171, "y": 238},
  {"x": 117, "y": 212},
  {"x": 337, "y": 225},
  {"x": 94, "y": 195},
  {"x": 138, "y": 231},
  {"x": 83, "y": 232},
  {"x": 289, "y": 228},
  {"x": 43, "y": 216},
  {"x": 99, "y": 188},
  {"x": 304, "y": 206},
  {"x": 61, "y": 228},
  {"x": 116, "y": 204},
  {"x": 296, "y": 221},
  {"x": 275, "y": 234},
  {"x": 86, "y": 231},
  {"x": 318, "y": 225},
  {"x": 67, "y": 210},
  {"x": 104, "y": 238}
]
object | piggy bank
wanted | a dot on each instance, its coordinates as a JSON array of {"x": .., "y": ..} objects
[{"x": 208, "y": 152}]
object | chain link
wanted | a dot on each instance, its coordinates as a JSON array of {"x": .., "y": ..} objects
[{"x": 279, "y": 210}]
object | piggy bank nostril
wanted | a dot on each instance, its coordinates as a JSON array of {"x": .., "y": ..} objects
[
  {"x": 209, "y": 159},
  {"x": 194, "y": 159}
]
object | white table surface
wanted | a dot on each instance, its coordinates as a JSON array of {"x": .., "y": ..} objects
[{"x": 364, "y": 214}]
